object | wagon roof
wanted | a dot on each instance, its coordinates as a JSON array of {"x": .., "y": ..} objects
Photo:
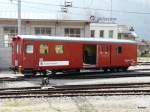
[{"x": 74, "y": 39}]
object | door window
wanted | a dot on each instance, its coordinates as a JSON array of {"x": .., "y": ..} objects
[
  {"x": 29, "y": 49},
  {"x": 119, "y": 50},
  {"x": 17, "y": 49}
]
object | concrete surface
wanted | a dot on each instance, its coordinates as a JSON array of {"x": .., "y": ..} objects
[
  {"x": 75, "y": 104},
  {"x": 78, "y": 104},
  {"x": 38, "y": 81}
]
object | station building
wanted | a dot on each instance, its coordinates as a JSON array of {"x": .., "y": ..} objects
[
  {"x": 102, "y": 27},
  {"x": 113, "y": 30},
  {"x": 100, "y": 30}
]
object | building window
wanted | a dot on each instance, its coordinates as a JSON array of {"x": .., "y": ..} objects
[
  {"x": 92, "y": 33},
  {"x": 72, "y": 32},
  {"x": 43, "y": 49},
  {"x": 126, "y": 35},
  {"x": 7, "y": 40},
  {"x": 111, "y": 33},
  {"x": 29, "y": 49},
  {"x": 42, "y": 31},
  {"x": 119, "y": 50},
  {"x": 119, "y": 35},
  {"x": 101, "y": 33},
  {"x": 59, "y": 49},
  {"x": 9, "y": 32}
]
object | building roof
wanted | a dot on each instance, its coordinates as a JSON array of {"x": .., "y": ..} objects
[
  {"x": 103, "y": 25},
  {"x": 75, "y": 39},
  {"x": 42, "y": 17},
  {"x": 123, "y": 29}
]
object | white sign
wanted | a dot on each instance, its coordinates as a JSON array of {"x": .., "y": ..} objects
[
  {"x": 102, "y": 19},
  {"x": 53, "y": 63},
  {"x": 106, "y": 20}
]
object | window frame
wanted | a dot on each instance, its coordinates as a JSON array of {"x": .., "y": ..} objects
[
  {"x": 101, "y": 33},
  {"x": 119, "y": 36},
  {"x": 47, "y": 49},
  {"x": 57, "y": 49},
  {"x": 111, "y": 33},
  {"x": 119, "y": 50},
  {"x": 43, "y": 31},
  {"x": 92, "y": 33},
  {"x": 17, "y": 48},
  {"x": 26, "y": 50},
  {"x": 72, "y": 32},
  {"x": 8, "y": 33}
]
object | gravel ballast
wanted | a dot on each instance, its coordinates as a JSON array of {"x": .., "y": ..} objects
[{"x": 78, "y": 104}]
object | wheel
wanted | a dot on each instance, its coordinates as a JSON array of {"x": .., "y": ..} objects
[
  {"x": 113, "y": 69},
  {"x": 44, "y": 73},
  {"x": 125, "y": 69},
  {"x": 78, "y": 70},
  {"x": 105, "y": 70},
  {"x": 118, "y": 69},
  {"x": 53, "y": 72},
  {"x": 28, "y": 75},
  {"x": 34, "y": 73}
]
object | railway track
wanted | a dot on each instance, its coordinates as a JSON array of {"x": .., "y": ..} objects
[
  {"x": 143, "y": 63},
  {"x": 83, "y": 75},
  {"x": 81, "y": 90},
  {"x": 19, "y": 78},
  {"x": 99, "y": 74},
  {"x": 78, "y": 90}
]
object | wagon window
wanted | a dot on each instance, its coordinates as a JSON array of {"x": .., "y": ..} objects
[
  {"x": 29, "y": 49},
  {"x": 119, "y": 50},
  {"x": 59, "y": 49},
  {"x": 43, "y": 49}
]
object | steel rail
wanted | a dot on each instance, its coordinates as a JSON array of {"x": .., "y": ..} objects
[
  {"x": 76, "y": 94},
  {"x": 84, "y": 75},
  {"x": 77, "y": 87},
  {"x": 86, "y": 90}
]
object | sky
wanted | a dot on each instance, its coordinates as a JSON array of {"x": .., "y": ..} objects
[{"x": 140, "y": 21}]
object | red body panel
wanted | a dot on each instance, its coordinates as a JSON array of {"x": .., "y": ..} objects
[
  {"x": 71, "y": 53},
  {"x": 106, "y": 54},
  {"x": 17, "y": 53},
  {"x": 29, "y": 60},
  {"x": 126, "y": 58}
]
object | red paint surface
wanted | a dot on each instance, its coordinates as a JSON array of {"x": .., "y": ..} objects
[{"x": 73, "y": 52}]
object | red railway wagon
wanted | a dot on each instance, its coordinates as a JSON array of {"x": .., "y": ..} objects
[{"x": 32, "y": 53}]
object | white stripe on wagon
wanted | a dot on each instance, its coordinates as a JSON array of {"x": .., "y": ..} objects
[
  {"x": 76, "y": 39},
  {"x": 53, "y": 63}
]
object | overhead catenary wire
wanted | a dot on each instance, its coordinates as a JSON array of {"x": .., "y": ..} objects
[
  {"x": 48, "y": 10},
  {"x": 87, "y": 8},
  {"x": 43, "y": 10},
  {"x": 111, "y": 8},
  {"x": 91, "y": 3}
]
